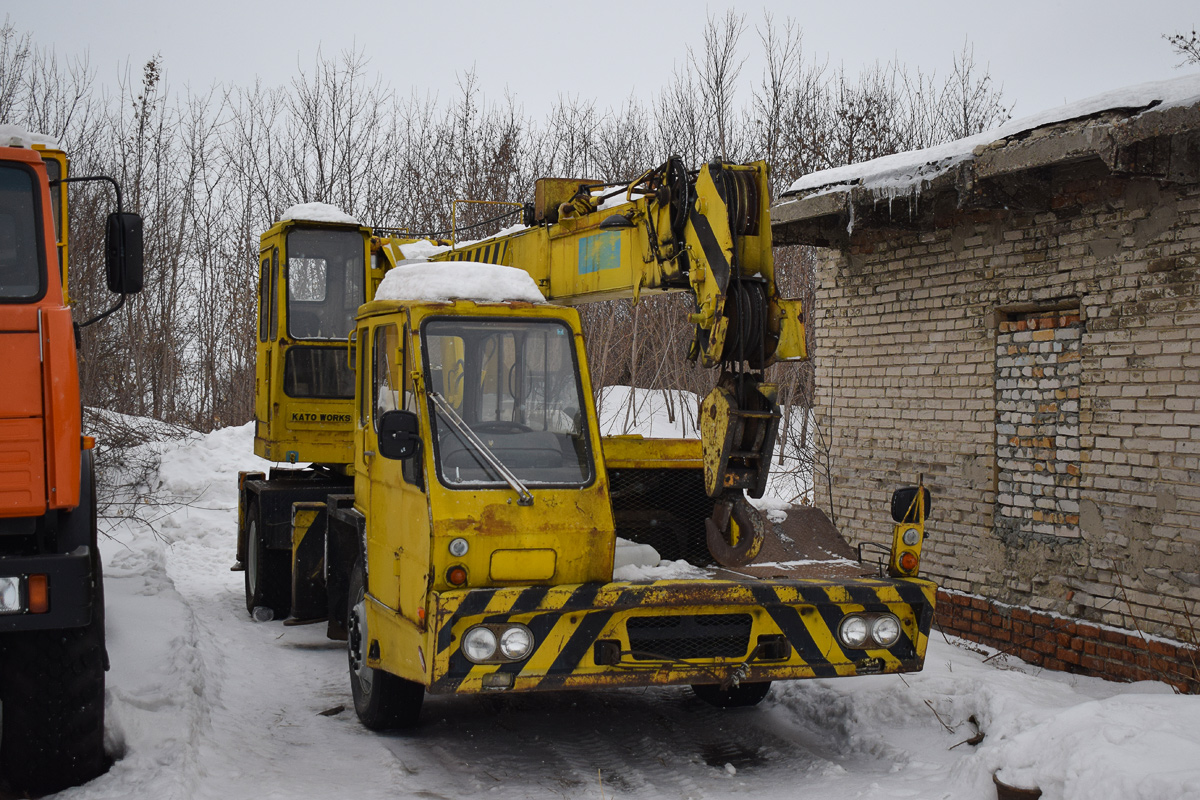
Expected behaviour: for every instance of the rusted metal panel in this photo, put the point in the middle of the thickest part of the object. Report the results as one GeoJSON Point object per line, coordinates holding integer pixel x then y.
{"type": "Point", "coordinates": [568, 621]}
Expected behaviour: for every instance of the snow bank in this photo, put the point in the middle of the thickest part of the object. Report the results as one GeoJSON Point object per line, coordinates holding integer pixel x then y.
{"type": "Point", "coordinates": [905, 172]}
{"type": "Point", "coordinates": [318, 212]}
{"type": "Point", "coordinates": [458, 280]}
{"type": "Point", "coordinates": [16, 136]}
{"type": "Point", "coordinates": [652, 413]}
{"type": "Point", "coordinates": [663, 571]}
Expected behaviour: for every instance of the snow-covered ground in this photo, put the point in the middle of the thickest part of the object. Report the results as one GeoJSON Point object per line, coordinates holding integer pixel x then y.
{"type": "Point", "coordinates": [205, 703]}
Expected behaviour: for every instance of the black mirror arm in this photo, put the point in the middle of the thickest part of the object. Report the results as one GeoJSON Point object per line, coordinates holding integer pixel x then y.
{"type": "Point", "coordinates": [105, 314]}
{"type": "Point", "coordinates": [117, 189]}
{"type": "Point", "coordinates": [83, 178]}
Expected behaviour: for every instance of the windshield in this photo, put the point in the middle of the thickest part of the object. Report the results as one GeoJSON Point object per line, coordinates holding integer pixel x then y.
{"type": "Point", "coordinates": [325, 273]}
{"type": "Point", "coordinates": [516, 385]}
{"type": "Point", "coordinates": [21, 275]}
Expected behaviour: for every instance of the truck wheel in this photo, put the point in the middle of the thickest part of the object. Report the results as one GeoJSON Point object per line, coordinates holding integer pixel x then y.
{"type": "Point", "coordinates": [381, 700]}
{"type": "Point", "coordinates": [740, 696]}
{"type": "Point", "coordinates": [268, 574]}
{"type": "Point", "coordinates": [52, 689]}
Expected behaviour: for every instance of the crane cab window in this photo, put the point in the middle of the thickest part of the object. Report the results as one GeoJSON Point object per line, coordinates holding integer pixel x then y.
{"type": "Point", "coordinates": [21, 273]}
{"type": "Point", "coordinates": [325, 275]}
{"type": "Point", "coordinates": [516, 384]}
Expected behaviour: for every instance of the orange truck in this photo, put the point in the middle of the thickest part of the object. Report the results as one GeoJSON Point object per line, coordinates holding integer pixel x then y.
{"type": "Point", "coordinates": [52, 654]}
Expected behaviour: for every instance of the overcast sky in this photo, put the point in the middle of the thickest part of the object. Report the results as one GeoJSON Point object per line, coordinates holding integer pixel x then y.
{"type": "Point", "coordinates": [1044, 53]}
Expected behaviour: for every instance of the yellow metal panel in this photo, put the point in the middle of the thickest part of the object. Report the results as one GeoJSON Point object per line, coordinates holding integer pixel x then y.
{"type": "Point", "coordinates": [634, 451]}
{"type": "Point", "coordinates": [522, 565]}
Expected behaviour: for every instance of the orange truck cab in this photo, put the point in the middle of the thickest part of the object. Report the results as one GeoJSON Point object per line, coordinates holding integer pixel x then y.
{"type": "Point", "coordinates": [52, 655]}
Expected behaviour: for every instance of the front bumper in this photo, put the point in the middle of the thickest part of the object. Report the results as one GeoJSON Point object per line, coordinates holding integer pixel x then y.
{"type": "Point", "coordinates": [69, 579]}
{"type": "Point", "coordinates": [762, 630]}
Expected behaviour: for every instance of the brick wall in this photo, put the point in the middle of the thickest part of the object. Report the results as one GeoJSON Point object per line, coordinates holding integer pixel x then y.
{"type": "Point", "coordinates": [914, 330]}
{"type": "Point", "coordinates": [1037, 424]}
{"type": "Point", "coordinates": [1067, 644]}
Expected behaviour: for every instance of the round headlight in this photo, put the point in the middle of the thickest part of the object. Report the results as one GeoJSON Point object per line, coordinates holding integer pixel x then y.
{"type": "Point", "coordinates": [516, 642]}
{"type": "Point", "coordinates": [911, 536]}
{"type": "Point", "coordinates": [479, 644]}
{"type": "Point", "coordinates": [10, 594]}
{"type": "Point", "coordinates": [886, 630]}
{"type": "Point", "coordinates": [459, 547]}
{"type": "Point", "coordinates": [853, 631]}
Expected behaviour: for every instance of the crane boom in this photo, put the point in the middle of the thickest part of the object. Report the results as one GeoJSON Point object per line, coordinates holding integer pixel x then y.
{"type": "Point", "coordinates": [706, 232]}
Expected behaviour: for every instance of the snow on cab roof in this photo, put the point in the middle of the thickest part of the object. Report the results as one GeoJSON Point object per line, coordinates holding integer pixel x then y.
{"type": "Point", "coordinates": [318, 212]}
{"type": "Point", "coordinates": [15, 136]}
{"type": "Point", "coordinates": [458, 280]}
{"type": "Point", "coordinates": [907, 172]}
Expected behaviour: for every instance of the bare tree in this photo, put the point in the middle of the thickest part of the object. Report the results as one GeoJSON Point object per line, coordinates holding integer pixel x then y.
{"type": "Point", "coordinates": [15, 52]}
{"type": "Point", "coordinates": [1186, 46]}
{"type": "Point", "coordinates": [211, 170]}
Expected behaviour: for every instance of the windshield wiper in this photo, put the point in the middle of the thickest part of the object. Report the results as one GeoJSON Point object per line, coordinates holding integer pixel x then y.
{"type": "Point", "coordinates": [524, 498]}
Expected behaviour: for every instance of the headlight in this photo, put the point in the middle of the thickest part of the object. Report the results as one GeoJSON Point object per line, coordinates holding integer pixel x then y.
{"type": "Point", "coordinates": [853, 631]}
{"type": "Point", "coordinates": [459, 547]}
{"type": "Point", "coordinates": [10, 595]}
{"type": "Point", "coordinates": [911, 536]}
{"type": "Point", "coordinates": [886, 630]}
{"type": "Point", "coordinates": [479, 644]}
{"type": "Point", "coordinates": [516, 642]}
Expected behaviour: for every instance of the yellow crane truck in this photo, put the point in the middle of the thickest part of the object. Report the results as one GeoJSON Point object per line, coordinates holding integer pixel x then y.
{"type": "Point", "coordinates": [459, 512]}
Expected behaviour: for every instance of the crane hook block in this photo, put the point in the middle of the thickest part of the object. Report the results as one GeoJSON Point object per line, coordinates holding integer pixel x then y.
{"type": "Point", "coordinates": [739, 420]}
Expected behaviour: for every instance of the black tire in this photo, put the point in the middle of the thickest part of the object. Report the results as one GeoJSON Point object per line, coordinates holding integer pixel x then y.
{"type": "Point", "coordinates": [52, 691]}
{"type": "Point", "coordinates": [268, 573]}
{"type": "Point", "coordinates": [52, 687]}
{"type": "Point", "coordinates": [382, 701]}
{"type": "Point", "coordinates": [740, 696]}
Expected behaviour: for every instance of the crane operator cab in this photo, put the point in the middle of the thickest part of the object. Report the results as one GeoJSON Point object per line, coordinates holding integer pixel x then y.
{"type": "Point", "coordinates": [313, 276]}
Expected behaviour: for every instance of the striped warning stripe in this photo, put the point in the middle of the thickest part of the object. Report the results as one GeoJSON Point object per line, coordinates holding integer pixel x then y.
{"type": "Point", "coordinates": [494, 253]}
{"type": "Point", "coordinates": [567, 620]}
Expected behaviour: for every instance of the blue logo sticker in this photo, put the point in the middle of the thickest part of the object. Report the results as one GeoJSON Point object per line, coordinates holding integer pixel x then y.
{"type": "Point", "coordinates": [599, 252]}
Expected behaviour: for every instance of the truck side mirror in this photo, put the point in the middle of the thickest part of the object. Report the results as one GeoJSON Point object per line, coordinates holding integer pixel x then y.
{"type": "Point", "coordinates": [399, 435]}
{"type": "Point", "coordinates": [904, 505]}
{"type": "Point", "coordinates": [123, 253]}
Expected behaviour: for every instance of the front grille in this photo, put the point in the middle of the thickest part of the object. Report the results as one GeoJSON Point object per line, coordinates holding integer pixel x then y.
{"type": "Point", "coordinates": [664, 508]}
{"type": "Point", "coordinates": [654, 638]}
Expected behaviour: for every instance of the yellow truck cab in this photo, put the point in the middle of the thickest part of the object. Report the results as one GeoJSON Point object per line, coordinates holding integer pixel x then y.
{"type": "Point", "coordinates": [482, 531]}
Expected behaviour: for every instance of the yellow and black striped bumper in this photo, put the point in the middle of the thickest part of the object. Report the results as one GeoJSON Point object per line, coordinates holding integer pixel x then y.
{"type": "Point", "coordinates": [583, 637]}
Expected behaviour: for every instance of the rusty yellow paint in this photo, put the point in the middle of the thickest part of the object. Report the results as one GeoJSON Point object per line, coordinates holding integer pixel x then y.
{"type": "Point", "coordinates": [564, 619]}
{"type": "Point", "coordinates": [635, 452]}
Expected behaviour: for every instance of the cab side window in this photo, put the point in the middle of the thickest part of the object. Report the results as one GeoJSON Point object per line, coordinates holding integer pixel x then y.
{"type": "Point", "coordinates": [385, 395]}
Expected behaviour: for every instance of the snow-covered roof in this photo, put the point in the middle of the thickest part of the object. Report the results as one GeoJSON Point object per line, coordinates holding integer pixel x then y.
{"type": "Point", "coordinates": [908, 172]}
{"type": "Point", "coordinates": [15, 136]}
{"type": "Point", "coordinates": [445, 281]}
{"type": "Point", "coordinates": [318, 212]}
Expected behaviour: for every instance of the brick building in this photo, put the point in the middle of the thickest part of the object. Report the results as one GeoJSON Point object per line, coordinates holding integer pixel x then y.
{"type": "Point", "coordinates": [1017, 317]}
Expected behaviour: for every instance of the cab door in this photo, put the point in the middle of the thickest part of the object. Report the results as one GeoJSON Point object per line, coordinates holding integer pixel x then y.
{"type": "Point", "coordinates": [398, 527]}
